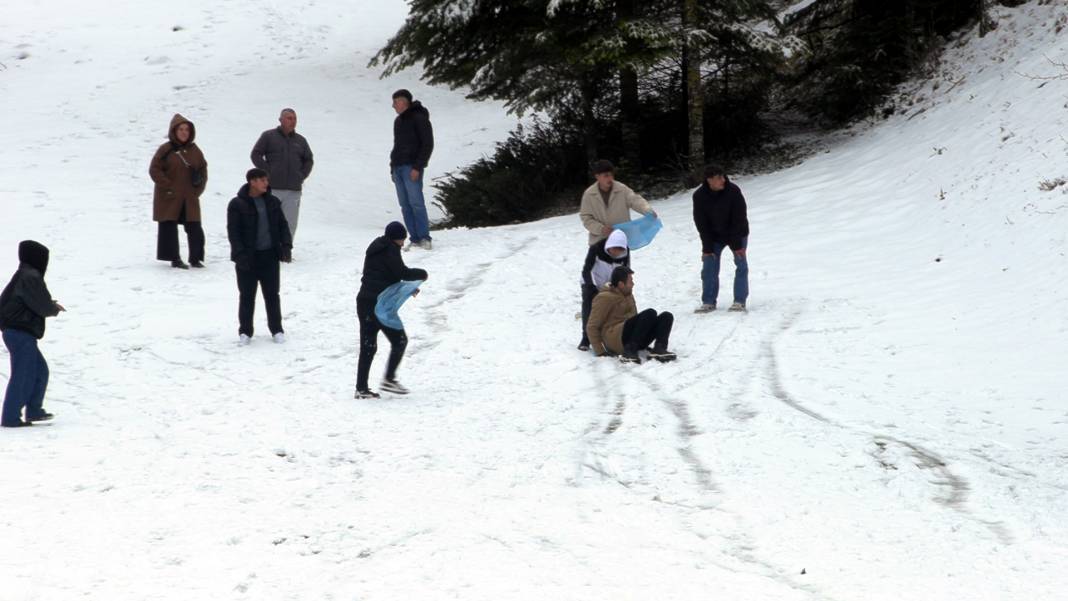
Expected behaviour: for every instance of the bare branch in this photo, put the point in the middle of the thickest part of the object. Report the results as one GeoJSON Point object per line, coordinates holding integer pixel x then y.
{"type": "Point", "coordinates": [1060, 65]}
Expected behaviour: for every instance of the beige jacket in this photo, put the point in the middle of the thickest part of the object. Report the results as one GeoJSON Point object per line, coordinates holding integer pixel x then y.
{"type": "Point", "coordinates": [595, 214]}
{"type": "Point", "coordinates": [611, 309]}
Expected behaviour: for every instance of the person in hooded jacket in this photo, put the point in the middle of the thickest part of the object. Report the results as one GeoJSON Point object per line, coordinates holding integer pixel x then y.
{"type": "Point", "coordinates": [382, 267]}
{"type": "Point", "coordinates": [259, 239]}
{"type": "Point", "coordinates": [180, 174]}
{"type": "Point", "coordinates": [24, 305]}
{"type": "Point", "coordinates": [719, 212]}
{"type": "Point", "coordinates": [413, 142]}
{"type": "Point", "coordinates": [601, 259]}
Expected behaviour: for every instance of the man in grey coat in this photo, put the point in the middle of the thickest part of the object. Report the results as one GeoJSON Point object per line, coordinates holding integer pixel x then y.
{"type": "Point", "coordinates": [286, 156]}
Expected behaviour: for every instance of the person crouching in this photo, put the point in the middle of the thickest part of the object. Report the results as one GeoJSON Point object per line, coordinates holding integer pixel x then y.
{"type": "Point", "coordinates": [382, 267]}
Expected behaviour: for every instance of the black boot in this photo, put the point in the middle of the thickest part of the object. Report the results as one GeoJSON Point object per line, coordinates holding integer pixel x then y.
{"type": "Point", "coordinates": [661, 354]}
{"type": "Point", "coordinates": [630, 355]}
{"type": "Point", "coordinates": [179, 264]}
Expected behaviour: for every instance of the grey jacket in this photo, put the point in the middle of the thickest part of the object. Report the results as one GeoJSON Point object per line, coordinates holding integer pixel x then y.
{"type": "Point", "coordinates": [287, 159]}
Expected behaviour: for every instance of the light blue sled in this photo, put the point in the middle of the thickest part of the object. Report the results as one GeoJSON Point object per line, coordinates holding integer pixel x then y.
{"type": "Point", "coordinates": [390, 301]}
{"type": "Point", "coordinates": [640, 232]}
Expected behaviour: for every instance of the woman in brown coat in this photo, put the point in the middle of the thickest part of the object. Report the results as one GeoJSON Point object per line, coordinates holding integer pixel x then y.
{"type": "Point", "coordinates": [180, 173]}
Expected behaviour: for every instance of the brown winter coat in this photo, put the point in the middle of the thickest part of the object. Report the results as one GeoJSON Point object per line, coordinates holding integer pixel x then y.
{"type": "Point", "coordinates": [174, 184]}
{"type": "Point", "coordinates": [611, 308]}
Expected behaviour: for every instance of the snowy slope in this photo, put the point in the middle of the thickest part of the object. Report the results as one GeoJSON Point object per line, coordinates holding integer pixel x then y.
{"type": "Point", "coordinates": [889, 416]}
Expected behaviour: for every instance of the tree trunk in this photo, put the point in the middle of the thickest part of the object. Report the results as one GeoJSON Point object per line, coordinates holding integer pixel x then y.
{"type": "Point", "coordinates": [695, 101]}
{"type": "Point", "coordinates": [589, 122]}
{"type": "Point", "coordinates": [630, 111]}
{"type": "Point", "coordinates": [630, 122]}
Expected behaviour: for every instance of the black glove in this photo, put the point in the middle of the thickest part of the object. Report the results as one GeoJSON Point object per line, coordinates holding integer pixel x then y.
{"type": "Point", "coordinates": [286, 255]}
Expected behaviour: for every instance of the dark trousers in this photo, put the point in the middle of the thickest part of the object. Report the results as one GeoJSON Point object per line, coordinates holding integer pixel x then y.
{"type": "Point", "coordinates": [264, 273]}
{"type": "Point", "coordinates": [588, 292]}
{"type": "Point", "coordinates": [29, 377]}
{"type": "Point", "coordinates": [369, 328]}
{"type": "Point", "coordinates": [167, 239]}
{"type": "Point", "coordinates": [646, 327]}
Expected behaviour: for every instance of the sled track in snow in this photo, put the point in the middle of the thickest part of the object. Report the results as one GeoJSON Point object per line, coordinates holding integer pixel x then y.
{"type": "Point", "coordinates": [685, 431]}
{"type": "Point", "coordinates": [458, 289]}
{"type": "Point", "coordinates": [955, 489]}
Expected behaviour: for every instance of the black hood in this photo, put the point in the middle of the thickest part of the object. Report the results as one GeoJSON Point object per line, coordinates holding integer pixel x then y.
{"type": "Point", "coordinates": [34, 254]}
{"type": "Point", "coordinates": [379, 245]}
{"type": "Point", "coordinates": [416, 108]}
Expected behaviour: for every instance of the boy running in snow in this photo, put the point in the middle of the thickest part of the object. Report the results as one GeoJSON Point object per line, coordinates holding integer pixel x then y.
{"type": "Point", "coordinates": [24, 305]}
{"type": "Point", "coordinates": [382, 267]}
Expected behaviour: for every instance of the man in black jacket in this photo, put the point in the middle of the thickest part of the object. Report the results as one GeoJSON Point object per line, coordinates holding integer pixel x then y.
{"type": "Point", "coordinates": [259, 239]}
{"type": "Point", "coordinates": [382, 267]}
{"type": "Point", "coordinates": [24, 305]}
{"type": "Point", "coordinates": [720, 216]}
{"type": "Point", "coordinates": [413, 141]}
{"type": "Point", "coordinates": [287, 158]}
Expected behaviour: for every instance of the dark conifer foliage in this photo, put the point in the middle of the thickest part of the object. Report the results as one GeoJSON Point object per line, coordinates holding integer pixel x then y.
{"type": "Point", "coordinates": [657, 86]}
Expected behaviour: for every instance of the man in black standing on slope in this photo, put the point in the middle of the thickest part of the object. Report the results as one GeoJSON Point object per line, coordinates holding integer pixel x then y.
{"type": "Point", "coordinates": [259, 239]}
{"type": "Point", "coordinates": [413, 141]}
{"type": "Point", "coordinates": [720, 214]}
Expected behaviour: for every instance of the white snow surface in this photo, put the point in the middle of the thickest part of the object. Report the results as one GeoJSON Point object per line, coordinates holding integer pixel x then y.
{"type": "Point", "coordinates": [888, 421]}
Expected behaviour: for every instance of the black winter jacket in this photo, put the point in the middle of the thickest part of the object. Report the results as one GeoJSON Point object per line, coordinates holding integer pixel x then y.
{"type": "Point", "coordinates": [720, 217]}
{"type": "Point", "coordinates": [26, 302]}
{"type": "Point", "coordinates": [597, 251]}
{"type": "Point", "coordinates": [242, 220]}
{"type": "Point", "coordinates": [413, 138]}
{"type": "Point", "coordinates": [383, 267]}
{"type": "Point", "coordinates": [288, 160]}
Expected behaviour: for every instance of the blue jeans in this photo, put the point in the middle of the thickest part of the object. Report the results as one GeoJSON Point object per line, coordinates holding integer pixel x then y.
{"type": "Point", "coordinates": [710, 275]}
{"type": "Point", "coordinates": [29, 377]}
{"type": "Point", "coordinates": [413, 207]}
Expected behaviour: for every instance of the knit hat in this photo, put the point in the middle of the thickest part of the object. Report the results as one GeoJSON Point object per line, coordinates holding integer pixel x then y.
{"type": "Point", "coordinates": [402, 93]}
{"type": "Point", "coordinates": [619, 274]}
{"type": "Point", "coordinates": [617, 239]}
{"type": "Point", "coordinates": [396, 231]}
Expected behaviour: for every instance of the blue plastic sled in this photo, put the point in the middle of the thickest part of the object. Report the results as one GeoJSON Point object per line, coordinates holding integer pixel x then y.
{"type": "Point", "coordinates": [640, 232]}
{"type": "Point", "coordinates": [390, 301]}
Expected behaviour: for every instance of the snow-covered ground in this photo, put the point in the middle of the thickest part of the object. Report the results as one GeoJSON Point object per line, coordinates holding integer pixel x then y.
{"type": "Point", "coordinates": [888, 421]}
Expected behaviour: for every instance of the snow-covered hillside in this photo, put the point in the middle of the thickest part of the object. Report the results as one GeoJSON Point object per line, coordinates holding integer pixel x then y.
{"type": "Point", "coordinates": [887, 422]}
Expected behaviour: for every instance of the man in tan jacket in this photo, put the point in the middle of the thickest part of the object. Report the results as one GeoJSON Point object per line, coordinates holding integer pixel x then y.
{"type": "Point", "coordinates": [608, 202]}
{"type": "Point", "coordinates": [616, 328]}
